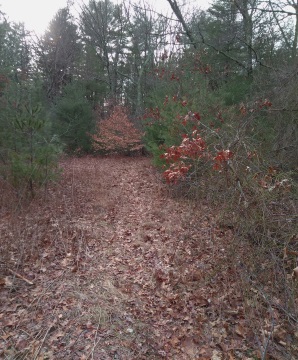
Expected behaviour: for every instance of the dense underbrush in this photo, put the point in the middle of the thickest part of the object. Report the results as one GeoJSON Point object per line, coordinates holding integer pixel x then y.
{"type": "Point", "coordinates": [240, 157]}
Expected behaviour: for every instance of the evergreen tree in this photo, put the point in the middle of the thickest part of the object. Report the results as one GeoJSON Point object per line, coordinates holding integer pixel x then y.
{"type": "Point", "coordinates": [57, 52]}
{"type": "Point", "coordinates": [73, 118]}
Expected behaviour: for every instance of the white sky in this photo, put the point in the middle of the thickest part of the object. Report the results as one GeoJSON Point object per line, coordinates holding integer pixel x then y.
{"type": "Point", "coordinates": [36, 14]}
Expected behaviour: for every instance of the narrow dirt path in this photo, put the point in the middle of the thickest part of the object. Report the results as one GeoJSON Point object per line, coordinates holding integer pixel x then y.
{"type": "Point", "coordinates": [121, 270]}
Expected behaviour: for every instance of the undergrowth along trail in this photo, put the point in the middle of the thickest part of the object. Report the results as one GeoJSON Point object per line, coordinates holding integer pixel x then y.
{"type": "Point", "coordinates": [122, 270]}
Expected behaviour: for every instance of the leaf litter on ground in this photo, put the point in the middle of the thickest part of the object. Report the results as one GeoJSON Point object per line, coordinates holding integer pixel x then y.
{"type": "Point", "coordinates": [120, 269]}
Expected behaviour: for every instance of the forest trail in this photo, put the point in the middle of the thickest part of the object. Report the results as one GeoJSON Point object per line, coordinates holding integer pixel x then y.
{"type": "Point", "coordinates": [121, 270]}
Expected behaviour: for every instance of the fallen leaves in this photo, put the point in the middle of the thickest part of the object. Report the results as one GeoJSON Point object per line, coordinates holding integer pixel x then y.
{"type": "Point", "coordinates": [121, 270]}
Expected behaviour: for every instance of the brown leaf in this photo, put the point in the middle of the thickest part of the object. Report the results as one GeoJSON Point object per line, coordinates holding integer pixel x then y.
{"type": "Point", "coordinates": [216, 355]}
{"type": "Point", "coordinates": [174, 341]}
{"type": "Point", "coordinates": [22, 344]}
{"type": "Point", "coordinates": [189, 347]}
{"type": "Point", "coordinates": [202, 302]}
{"type": "Point", "coordinates": [231, 356]}
{"type": "Point", "coordinates": [239, 330]}
{"type": "Point", "coordinates": [65, 262]}
{"type": "Point", "coordinates": [295, 273]}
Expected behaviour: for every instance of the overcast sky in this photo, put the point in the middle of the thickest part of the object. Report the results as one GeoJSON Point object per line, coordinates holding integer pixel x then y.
{"type": "Point", "coordinates": [36, 14]}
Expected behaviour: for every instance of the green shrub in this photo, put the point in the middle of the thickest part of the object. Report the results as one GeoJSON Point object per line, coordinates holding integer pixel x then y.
{"type": "Point", "coordinates": [29, 153]}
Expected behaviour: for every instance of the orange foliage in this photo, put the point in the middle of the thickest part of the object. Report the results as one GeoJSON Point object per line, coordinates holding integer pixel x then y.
{"type": "Point", "coordinates": [116, 133]}
{"type": "Point", "coordinates": [180, 159]}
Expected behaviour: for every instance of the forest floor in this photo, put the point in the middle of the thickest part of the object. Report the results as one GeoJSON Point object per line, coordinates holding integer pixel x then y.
{"type": "Point", "coordinates": [115, 267]}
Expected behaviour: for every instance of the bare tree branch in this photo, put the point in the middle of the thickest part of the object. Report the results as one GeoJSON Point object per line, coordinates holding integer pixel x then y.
{"type": "Point", "coordinates": [177, 12]}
